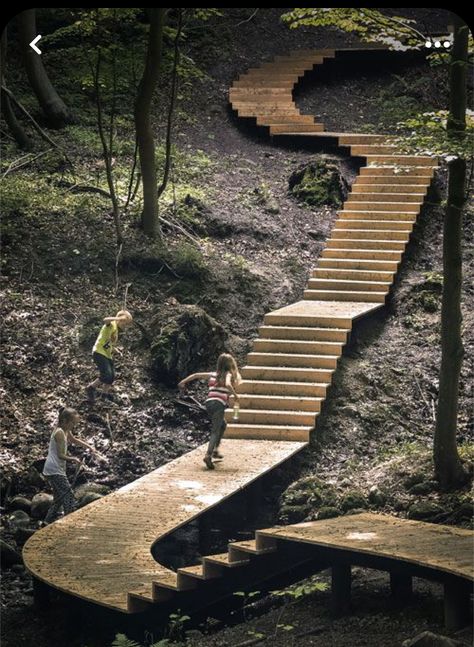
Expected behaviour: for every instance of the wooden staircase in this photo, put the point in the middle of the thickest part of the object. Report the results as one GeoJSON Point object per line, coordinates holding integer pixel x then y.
{"type": "Point", "coordinates": [290, 367]}
{"type": "Point", "coordinates": [102, 552]}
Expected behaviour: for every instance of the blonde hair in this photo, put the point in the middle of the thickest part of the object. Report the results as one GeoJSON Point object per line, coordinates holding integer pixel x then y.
{"type": "Point", "coordinates": [125, 315]}
{"type": "Point", "coordinates": [227, 364]}
{"type": "Point", "coordinates": [66, 415]}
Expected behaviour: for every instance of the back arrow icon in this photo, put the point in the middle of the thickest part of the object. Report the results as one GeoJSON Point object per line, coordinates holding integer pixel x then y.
{"type": "Point", "coordinates": [33, 44]}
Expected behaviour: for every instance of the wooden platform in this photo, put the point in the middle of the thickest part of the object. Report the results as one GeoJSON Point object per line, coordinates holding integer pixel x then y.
{"type": "Point", "coordinates": [443, 548]}
{"type": "Point", "coordinates": [101, 553]}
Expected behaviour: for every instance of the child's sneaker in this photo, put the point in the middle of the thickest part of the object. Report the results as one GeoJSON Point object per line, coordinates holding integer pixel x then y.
{"type": "Point", "coordinates": [208, 461]}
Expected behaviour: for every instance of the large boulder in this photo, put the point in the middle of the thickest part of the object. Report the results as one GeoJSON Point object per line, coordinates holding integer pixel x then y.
{"type": "Point", "coordinates": [40, 505]}
{"type": "Point", "coordinates": [425, 511]}
{"type": "Point", "coordinates": [20, 503]}
{"type": "Point", "coordinates": [306, 497]}
{"type": "Point", "coordinates": [319, 183]}
{"type": "Point", "coordinates": [185, 339]}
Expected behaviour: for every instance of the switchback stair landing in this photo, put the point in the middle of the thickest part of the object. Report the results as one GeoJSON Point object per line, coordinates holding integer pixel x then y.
{"type": "Point", "coordinates": [102, 553]}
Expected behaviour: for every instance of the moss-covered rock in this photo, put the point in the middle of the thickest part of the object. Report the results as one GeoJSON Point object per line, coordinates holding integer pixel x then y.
{"type": "Point", "coordinates": [424, 488]}
{"type": "Point", "coordinates": [305, 497]}
{"type": "Point", "coordinates": [185, 339]}
{"type": "Point", "coordinates": [328, 512]}
{"type": "Point", "coordinates": [319, 183]}
{"type": "Point", "coordinates": [425, 511]}
{"type": "Point", "coordinates": [353, 500]}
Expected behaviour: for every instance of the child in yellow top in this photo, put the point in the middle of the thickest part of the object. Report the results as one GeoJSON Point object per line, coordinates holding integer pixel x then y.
{"type": "Point", "coordinates": [103, 351]}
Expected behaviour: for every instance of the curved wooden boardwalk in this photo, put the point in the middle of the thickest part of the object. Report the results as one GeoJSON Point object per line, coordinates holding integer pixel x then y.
{"type": "Point", "coordinates": [101, 553]}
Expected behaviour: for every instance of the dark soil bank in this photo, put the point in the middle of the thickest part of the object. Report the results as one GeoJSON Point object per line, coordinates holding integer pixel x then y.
{"type": "Point", "coordinates": [256, 245]}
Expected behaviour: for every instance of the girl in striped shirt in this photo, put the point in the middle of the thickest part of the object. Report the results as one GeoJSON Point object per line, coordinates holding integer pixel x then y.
{"type": "Point", "coordinates": [222, 384]}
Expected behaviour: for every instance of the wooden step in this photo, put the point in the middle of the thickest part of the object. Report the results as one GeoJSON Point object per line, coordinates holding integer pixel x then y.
{"type": "Point", "coordinates": [359, 150]}
{"type": "Point", "coordinates": [395, 180]}
{"type": "Point", "coordinates": [390, 245]}
{"type": "Point", "coordinates": [336, 295]}
{"type": "Point", "coordinates": [239, 550]}
{"type": "Point", "coordinates": [259, 111]}
{"type": "Point", "coordinates": [273, 402]}
{"type": "Point", "coordinates": [397, 171]}
{"type": "Point", "coordinates": [401, 160]}
{"type": "Point", "coordinates": [291, 65]}
{"type": "Point", "coordinates": [358, 263]}
{"type": "Point", "coordinates": [397, 207]}
{"type": "Point", "coordinates": [270, 387]}
{"type": "Point", "coordinates": [306, 54]}
{"type": "Point", "coordinates": [268, 432]}
{"type": "Point", "coordinates": [303, 333]}
{"type": "Point", "coordinates": [270, 103]}
{"type": "Point", "coordinates": [258, 93]}
{"type": "Point", "coordinates": [362, 234]}
{"type": "Point", "coordinates": [368, 254]}
{"type": "Point", "coordinates": [389, 216]}
{"type": "Point", "coordinates": [360, 138]}
{"type": "Point", "coordinates": [297, 346]}
{"type": "Point", "coordinates": [188, 575]}
{"type": "Point", "coordinates": [290, 119]}
{"type": "Point", "coordinates": [300, 128]}
{"type": "Point", "coordinates": [353, 275]}
{"type": "Point", "coordinates": [259, 75]}
{"type": "Point", "coordinates": [312, 320]}
{"type": "Point", "coordinates": [270, 83]}
{"type": "Point", "coordinates": [347, 286]}
{"type": "Point", "coordinates": [292, 374]}
{"type": "Point", "coordinates": [292, 359]}
{"type": "Point", "coordinates": [245, 99]}
{"type": "Point", "coordinates": [223, 560]}
{"type": "Point", "coordinates": [346, 223]}
{"type": "Point", "coordinates": [362, 187]}
{"type": "Point", "coordinates": [276, 417]}
{"type": "Point", "coordinates": [381, 196]}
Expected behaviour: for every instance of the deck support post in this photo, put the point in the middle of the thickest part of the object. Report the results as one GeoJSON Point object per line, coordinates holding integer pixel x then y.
{"type": "Point", "coordinates": [340, 588]}
{"type": "Point", "coordinates": [204, 533]}
{"type": "Point", "coordinates": [253, 501]}
{"type": "Point", "coordinates": [401, 586]}
{"type": "Point", "coordinates": [456, 604]}
{"type": "Point", "coordinates": [41, 594]}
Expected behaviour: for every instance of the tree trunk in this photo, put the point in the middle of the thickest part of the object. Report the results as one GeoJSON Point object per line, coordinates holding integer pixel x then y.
{"type": "Point", "coordinates": [448, 467]}
{"type": "Point", "coordinates": [15, 127]}
{"type": "Point", "coordinates": [144, 132]}
{"type": "Point", "coordinates": [52, 105]}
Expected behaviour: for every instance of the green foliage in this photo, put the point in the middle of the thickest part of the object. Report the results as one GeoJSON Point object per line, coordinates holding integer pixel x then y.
{"type": "Point", "coordinates": [426, 134]}
{"type": "Point", "coordinates": [121, 640]}
{"type": "Point", "coordinates": [370, 25]}
{"type": "Point", "coordinates": [302, 589]}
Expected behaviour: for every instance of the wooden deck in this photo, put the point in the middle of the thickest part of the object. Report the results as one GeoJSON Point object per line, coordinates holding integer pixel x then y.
{"type": "Point", "coordinates": [443, 548]}
{"type": "Point", "coordinates": [101, 552]}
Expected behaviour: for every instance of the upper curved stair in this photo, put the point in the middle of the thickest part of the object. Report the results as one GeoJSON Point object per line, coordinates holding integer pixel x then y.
{"type": "Point", "coordinates": [297, 354]}
{"type": "Point", "coordinates": [102, 552]}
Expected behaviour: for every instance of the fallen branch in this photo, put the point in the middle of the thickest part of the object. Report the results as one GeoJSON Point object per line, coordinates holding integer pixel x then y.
{"type": "Point", "coordinates": [84, 188]}
{"type": "Point", "coordinates": [15, 165]}
{"type": "Point", "coordinates": [189, 405]}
